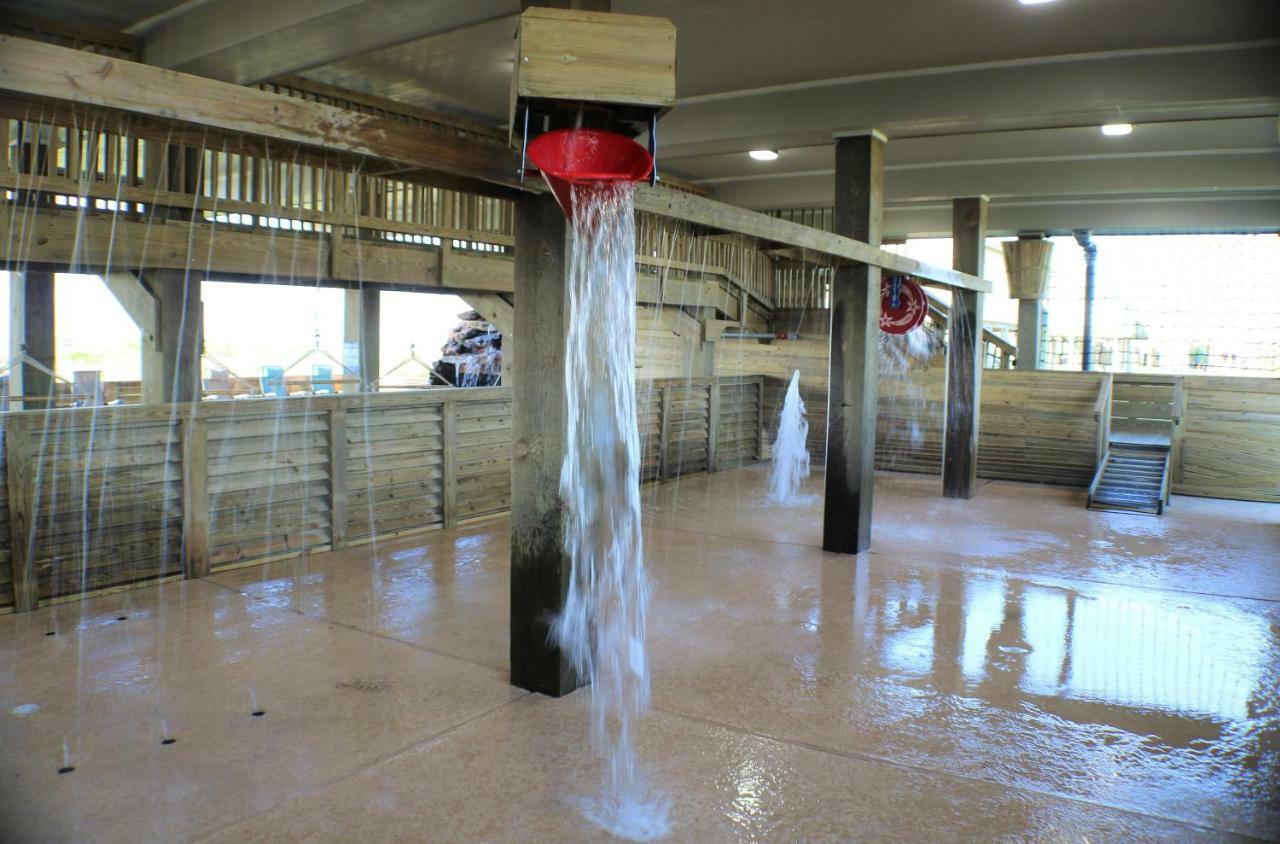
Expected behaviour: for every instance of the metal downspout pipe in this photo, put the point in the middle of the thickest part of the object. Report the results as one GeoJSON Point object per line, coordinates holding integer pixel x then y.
{"type": "Point", "coordinates": [1085, 239]}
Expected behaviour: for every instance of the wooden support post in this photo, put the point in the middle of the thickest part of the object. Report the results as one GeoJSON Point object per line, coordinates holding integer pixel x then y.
{"type": "Point", "coordinates": [1030, 326]}
{"type": "Point", "coordinates": [713, 425]}
{"type": "Point", "coordinates": [855, 366]}
{"type": "Point", "coordinates": [19, 457]}
{"type": "Point", "coordinates": [143, 308]}
{"type": "Point", "coordinates": [760, 427]}
{"type": "Point", "coordinates": [195, 496]}
{"type": "Point", "coordinates": [664, 435]}
{"type": "Point", "coordinates": [180, 333]}
{"type": "Point", "coordinates": [369, 320]}
{"type": "Point", "coordinates": [964, 352]}
{"type": "Point", "coordinates": [338, 495]}
{"type": "Point", "coordinates": [31, 333]}
{"type": "Point", "coordinates": [449, 482]}
{"type": "Point", "coordinates": [540, 567]}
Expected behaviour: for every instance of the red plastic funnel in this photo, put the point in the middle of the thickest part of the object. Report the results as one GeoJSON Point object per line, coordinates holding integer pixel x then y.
{"type": "Point", "coordinates": [570, 157]}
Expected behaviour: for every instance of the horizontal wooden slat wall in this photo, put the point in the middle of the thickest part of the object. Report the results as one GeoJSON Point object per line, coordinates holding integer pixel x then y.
{"type": "Point", "coordinates": [395, 467]}
{"type": "Point", "coordinates": [483, 448]}
{"type": "Point", "coordinates": [95, 500]}
{"type": "Point", "coordinates": [1229, 438]}
{"type": "Point", "coordinates": [909, 421]}
{"type": "Point", "coordinates": [1042, 427]}
{"type": "Point", "coordinates": [738, 428]}
{"type": "Point", "coordinates": [268, 470]}
{"type": "Point", "coordinates": [103, 497]}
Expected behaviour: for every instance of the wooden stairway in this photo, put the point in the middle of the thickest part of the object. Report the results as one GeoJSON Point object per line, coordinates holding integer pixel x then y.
{"type": "Point", "coordinates": [1133, 478]}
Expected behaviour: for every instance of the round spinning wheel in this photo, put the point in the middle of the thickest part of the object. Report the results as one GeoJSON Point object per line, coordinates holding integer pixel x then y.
{"type": "Point", "coordinates": [903, 305]}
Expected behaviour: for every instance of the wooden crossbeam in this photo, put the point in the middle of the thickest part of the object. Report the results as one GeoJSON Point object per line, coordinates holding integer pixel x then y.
{"type": "Point", "coordinates": [731, 218]}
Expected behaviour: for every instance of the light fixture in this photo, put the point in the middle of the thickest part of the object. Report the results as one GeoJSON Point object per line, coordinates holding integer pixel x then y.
{"type": "Point", "coordinates": [1116, 129]}
{"type": "Point", "coordinates": [764, 154]}
{"type": "Point", "coordinates": [1034, 2]}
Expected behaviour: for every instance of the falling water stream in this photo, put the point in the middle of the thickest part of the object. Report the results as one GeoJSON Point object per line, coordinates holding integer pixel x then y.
{"type": "Point", "coordinates": [602, 628]}
{"type": "Point", "coordinates": [790, 451]}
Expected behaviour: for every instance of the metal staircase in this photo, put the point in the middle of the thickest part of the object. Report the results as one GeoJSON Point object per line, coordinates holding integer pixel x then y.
{"type": "Point", "coordinates": [1132, 477]}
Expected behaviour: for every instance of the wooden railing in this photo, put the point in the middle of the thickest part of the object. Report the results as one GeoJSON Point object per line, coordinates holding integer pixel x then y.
{"type": "Point", "coordinates": [96, 498]}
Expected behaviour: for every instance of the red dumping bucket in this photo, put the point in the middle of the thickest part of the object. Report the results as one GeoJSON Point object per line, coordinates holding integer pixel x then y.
{"type": "Point", "coordinates": [570, 157]}
{"type": "Point", "coordinates": [908, 311]}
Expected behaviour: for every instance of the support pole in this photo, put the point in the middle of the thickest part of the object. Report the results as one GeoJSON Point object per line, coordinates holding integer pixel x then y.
{"type": "Point", "coordinates": [1030, 329]}
{"type": "Point", "coordinates": [1085, 239]}
{"type": "Point", "coordinates": [31, 334]}
{"type": "Point", "coordinates": [964, 351]}
{"type": "Point", "coordinates": [180, 333]}
{"type": "Point", "coordinates": [1027, 262]}
{"type": "Point", "coordinates": [143, 308]}
{"type": "Point", "coordinates": [362, 326]}
{"type": "Point", "coordinates": [855, 362]}
{"type": "Point", "coordinates": [540, 567]}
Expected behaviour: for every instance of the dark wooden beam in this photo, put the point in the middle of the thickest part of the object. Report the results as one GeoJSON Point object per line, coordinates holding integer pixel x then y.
{"type": "Point", "coordinates": [855, 334]}
{"type": "Point", "coordinates": [964, 352]}
{"type": "Point", "coordinates": [540, 567]}
{"type": "Point", "coordinates": [31, 333]}
{"type": "Point", "coordinates": [180, 332]}
{"type": "Point", "coordinates": [33, 69]}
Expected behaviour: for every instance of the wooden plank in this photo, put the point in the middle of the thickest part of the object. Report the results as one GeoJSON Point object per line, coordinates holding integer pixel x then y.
{"type": "Point", "coordinates": [450, 451]}
{"type": "Point", "coordinates": [195, 499]}
{"type": "Point", "coordinates": [338, 488]}
{"type": "Point", "coordinates": [19, 459]}
{"type": "Point", "coordinates": [564, 54]}
{"type": "Point", "coordinates": [59, 73]}
{"type": "Point", "coordinates": [964, 351]}
{"type": "Point", "coordinates": [540, 568]}
{"type": "Point", "coordinates": [854, 351]}
{"type": "Point", "coordinates": [719, 215]}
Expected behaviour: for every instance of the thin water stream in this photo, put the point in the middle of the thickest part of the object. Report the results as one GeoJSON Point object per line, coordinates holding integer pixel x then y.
{"type": "Point", "coordinates": [790, 451]}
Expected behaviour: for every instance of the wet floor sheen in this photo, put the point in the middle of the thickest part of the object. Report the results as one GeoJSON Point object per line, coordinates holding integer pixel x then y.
{"type": "Point", "coordinates": [1009, 667]}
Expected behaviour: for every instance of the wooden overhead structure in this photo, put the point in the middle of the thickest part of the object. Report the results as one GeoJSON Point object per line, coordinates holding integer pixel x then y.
{"type": "Point", "coordinates": [177, 105]}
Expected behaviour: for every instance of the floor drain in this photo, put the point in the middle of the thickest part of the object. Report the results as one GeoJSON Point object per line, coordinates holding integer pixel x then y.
{"type": "Point", "coordinates": [66, 769]}
{"type": "Point", "coordinates": [52, 633]}
{"type": "Point", "coordinates": [258, 713]}
{"type": "Point", "coordinates": [122, 618]}
{"type": "Point", "coordinates": [168, 741]}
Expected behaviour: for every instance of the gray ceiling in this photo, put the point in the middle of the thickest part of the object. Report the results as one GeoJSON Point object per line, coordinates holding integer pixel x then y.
{"type": "Point", "coordinates": [976, 96]}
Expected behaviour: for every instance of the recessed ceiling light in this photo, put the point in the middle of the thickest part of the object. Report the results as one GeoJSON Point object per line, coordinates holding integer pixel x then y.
{"type": "Point", "coordinates": [764, 154]}
{"type": "Point", "coordinates": [1117, 128]}
{"type": "Point", "coordinates": [1034, 2]}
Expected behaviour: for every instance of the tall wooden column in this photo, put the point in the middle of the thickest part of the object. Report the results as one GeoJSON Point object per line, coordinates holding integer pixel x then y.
{"type": "Point", "coordinates": [964, 351]}
{"type": "Point", "coordinates": [362, 325]}
{"type": "Point", "coordinates": [540, 568]}
{"type": "Point", "coordinates": [180, 333]}
{"type": "Point", "coordinates": [855, 364]}
{"type": "Point", "coordinates": [31, 334]}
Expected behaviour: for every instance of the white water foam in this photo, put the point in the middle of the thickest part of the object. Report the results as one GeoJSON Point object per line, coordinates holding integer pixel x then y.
{"type": "Point", "coordinates": [790, 450]}
{"type": "Point", "coordinates": [602, 628]}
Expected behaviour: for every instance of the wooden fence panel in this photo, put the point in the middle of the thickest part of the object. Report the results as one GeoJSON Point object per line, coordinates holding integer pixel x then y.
{"type": "Point", "coordinates": [738, 440]}
{"type": "Point", "coordinates": [395, 468]}
{"type": "Point", "coordinates": [1230, 438]}
{"type": "Point", "coordinates": [268, 473]}
{"type": "Point", "coordinates": [483, 458]}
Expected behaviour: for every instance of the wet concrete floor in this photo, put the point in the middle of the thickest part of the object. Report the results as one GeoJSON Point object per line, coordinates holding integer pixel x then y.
{"type": "Point", "coordinates": [1011, 667]}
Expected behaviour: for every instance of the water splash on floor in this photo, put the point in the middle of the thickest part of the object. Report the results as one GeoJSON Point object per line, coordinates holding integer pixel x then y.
{"type": "Point", "coordinates": [602, 629]}
{"type": "Point", "coordinates": [790, 449]}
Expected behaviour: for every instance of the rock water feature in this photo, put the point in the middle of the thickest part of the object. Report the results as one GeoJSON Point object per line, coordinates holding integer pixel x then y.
{"type": "Point", "coordinates": [602, 628]}
{"type": "Point", "coordinates": [790, 452]}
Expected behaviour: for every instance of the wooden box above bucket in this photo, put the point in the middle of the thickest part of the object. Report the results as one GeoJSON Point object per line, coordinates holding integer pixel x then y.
{"type": "Point", "coordinates": [596, 57]}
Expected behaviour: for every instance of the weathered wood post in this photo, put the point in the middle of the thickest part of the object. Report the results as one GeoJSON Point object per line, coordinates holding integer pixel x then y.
{"type": "Point", "coordinates": [180, 332]}
{"type": "Point", "coordinates": [361, 327]}
{"type": "Point", "coordinates": [31, 334]}
{"type": "Point", "coordinates": [540, 567]}
{"type": "Point", "coordinates": [855, 363]}
{"type": "Point", "coordinates": [964, 351]}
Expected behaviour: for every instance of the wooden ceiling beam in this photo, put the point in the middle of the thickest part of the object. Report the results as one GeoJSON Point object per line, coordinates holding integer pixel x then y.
{"type": "Point", "coordinates": [772, 230]}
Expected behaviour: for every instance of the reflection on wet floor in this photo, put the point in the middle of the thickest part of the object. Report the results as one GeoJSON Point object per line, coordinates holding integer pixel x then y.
{"type": "Point", "coordinates": [996, 686]}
